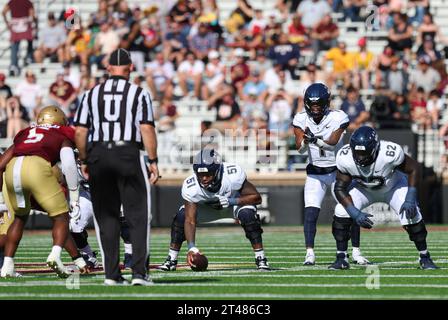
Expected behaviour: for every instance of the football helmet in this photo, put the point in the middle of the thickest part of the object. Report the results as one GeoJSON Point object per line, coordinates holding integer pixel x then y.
{"type": "Point", "coordinates": [208, 163]}
{"type": "Point", "coordinates": [317, 101]}
{"type": "Point", "coordinates": [365, 145]}
{"type": "Point", "coordinates": [52, 115]}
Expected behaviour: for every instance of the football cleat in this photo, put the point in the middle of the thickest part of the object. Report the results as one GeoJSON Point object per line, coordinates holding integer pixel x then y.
{"type": "Point", "coordinates": [91, 260]}
{"type": "Point", "coordinates": [262, 263]}
{"type": "Point", "coordinates": [358, 258]}
{"type": "Point", "coordinates": [138, 280]}
{"type": "Point", "coordinates": [117, 282]}
{"type": "Point", "coordinates": [426, 263]}
{"type": "Point", "coordinates": [168, 265]}
{"type": "Point", "coordinates": [8, 271]}
{"type": "Point", "coordinates": [340, 263]}
{"type": "Point", "coordinates": [57, 266]}
{"type": "Point", "coordinates": [310, 259]}
{"type": "Point", "coordinates": [127, 261]}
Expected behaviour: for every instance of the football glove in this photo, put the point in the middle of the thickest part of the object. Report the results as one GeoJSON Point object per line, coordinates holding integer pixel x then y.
{"type": "Point", "coordinates": [361, 218]}
{"type": "Point", "coordinates": [75, 212]}
{"type": "Point", "coordinates": [309, 137]}
{"type": "Point", "coordinates": [409, 207]}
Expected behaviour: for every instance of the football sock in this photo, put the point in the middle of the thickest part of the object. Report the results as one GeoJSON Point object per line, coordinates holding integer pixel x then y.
{"type": "Point", "coordinates": [344, 252]}
{"type": "Point", "coordinates": [55, 251]}
{"type": "Point", "coordinates": [309, 225]}
{"type": "Point", "coordinates": [8, 262]}
{"type": "Point", "coordinates": [87, 250]}
{"type": "Point", "coordinates": [421, 245]}
{"type": "Point", "coordinates": [423, 252]}
{"type": "Point", "coordinates": [128, 248]}
{"type": "Point", "coordinates": [310, 251]}
{"type": "Point", "coordinates": [355, 235]}
{"type": "Point", "coordinates": [173, 254]}
{"type": "Point", "coordinates": [259, 253]}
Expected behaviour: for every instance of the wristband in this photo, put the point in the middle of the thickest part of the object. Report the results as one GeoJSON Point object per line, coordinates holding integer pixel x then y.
{"type": "Point", "coordinates": [233, 201]}
{"type": "Point", "coordinates": [193, 249]}
{"type": "Point", "coordinates": [155, 160]}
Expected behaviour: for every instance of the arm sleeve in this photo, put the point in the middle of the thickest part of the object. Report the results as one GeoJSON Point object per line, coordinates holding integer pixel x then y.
{"type": "Point", "coordinates": [70, 171]}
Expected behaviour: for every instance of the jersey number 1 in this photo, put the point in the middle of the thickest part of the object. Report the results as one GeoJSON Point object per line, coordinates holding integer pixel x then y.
{"type": "Point", "coordinates": [33, 136]}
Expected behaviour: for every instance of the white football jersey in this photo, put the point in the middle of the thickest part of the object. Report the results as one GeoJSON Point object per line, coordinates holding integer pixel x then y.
{"type": "Point", "coordinates": [233, 177]}
{"type": "Point", "coordinates": [381, 174]}
{"type": "Point", "coordinates": [334, 120]}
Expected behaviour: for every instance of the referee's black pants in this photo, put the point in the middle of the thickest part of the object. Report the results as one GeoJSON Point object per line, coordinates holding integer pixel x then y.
{"type": "Point", "coordinates": [118, 176]}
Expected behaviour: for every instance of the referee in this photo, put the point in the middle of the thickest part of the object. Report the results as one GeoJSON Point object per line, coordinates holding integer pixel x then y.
{"type": "Point", "coordinates": [114, 121]}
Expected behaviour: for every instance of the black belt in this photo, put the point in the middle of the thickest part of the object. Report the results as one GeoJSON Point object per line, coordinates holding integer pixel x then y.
{"type": "Point", "coordinates": [121, 143]}
{"type": "Point", "coordinates": [312, 169]}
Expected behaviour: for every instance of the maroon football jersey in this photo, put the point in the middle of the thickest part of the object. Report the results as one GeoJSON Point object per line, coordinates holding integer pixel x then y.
{"type": "Point", "coordinates": [42, 140]}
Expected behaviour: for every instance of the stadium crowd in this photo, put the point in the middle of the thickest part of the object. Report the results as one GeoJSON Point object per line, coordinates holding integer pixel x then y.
{"type": "Point", "coordinates": [252, 68]}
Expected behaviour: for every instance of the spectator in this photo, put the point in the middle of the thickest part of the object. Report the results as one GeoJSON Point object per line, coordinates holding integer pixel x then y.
{"type": "Point", "coordinates": [255, 85]}
{"type": "Point", "coordinates": [203, 42]}
{"type": "Point", "coordinates": [419, 112]}
{"type": "Point", "coordinates": [402, 110]}
{"type": "Point", "coordinates": [297, 32]}
{"type": "Point", "coordinates": [428, 49]}
{"type": "Point", "coordinates": [435, 106]}
{"type": "Point", "coordinates": [258, 23]}
{"type": "Point", "coordinates": [354, 107]}
{"type": "Point", "coordinates": [52, 40]}
{"type": "Point", "coordinates": [181, 13]}
{"type": "Point", "coordinates": [400, 35]}
{"type": "Point", "coordinates": [17, 117]}
{"type": "Point", "coordinates": [119, 24]}
{"type": "Point", "coordinates": [352, 9]}
{"type": "Point", "coordinates": [260, 62]}
{"type": "Point", "coordinates": [324, 35]}
{"type": "Point", "coordinates": [176, 44]}
{"type": "Point", "coordinates": [421, 7]}
{"type": "Point", "coordinates": [429, 29]}
{"type": "Point", "coordinates": [159, 76]}
{"type": "Point", "coordinates": [425, 76]}
{"type": "Point", "coordinates": [30, 94]}
{"type": "Point", "coordinates": [190, 75]}
{"type": "Point", "coordinates": [242, 15]}
{"type": "Point", "coordinates": [20, 27]}
{"type": "Point", "coordinates": [382, 110]}
{"type": "Point", "coordinates": [343, 64]}
{"type": "Point", "coordinates": [73, 75]}
{"type": "Point", "coordinates": [363, 65]}
{"type": "Point", "coordinates": [106, 41]}
{"type": "Point", "coordinates": [313, 11]}
{"type": "Point", "coordinates": [253, 111]}
{"type": "Point", "coordinates": [239, 72]}
{"type": "Point", "coordinates": [102, 14]}
{"type": "Point", "coordinates": [63, 95]}
{"type": "Point", "coordinates": [310, 76]}
{"type": "Point", "coordinates": [5, 90]}
{"type": "Point", "coordinates": [76, 45]}
{"type": "Point", "coordinates": [382, 66]}
{"type": "Point", "coordinates": [166, 115]}
{"type": "Point", "coordinates": [227, 109]}
{"type": "Point", "coordinates": [280, 111]}
{"type": "Point", "coordinates": [397, 79]}
{"type": "Point", "coordinates": [276, 79]}
{"type": "Point", "coordinates": [286, 54]}
{"type": "Point", "coordinates": [214, 76]}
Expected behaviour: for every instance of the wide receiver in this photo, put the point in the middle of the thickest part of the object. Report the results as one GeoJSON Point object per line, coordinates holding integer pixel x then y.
{"type": "Point", "coordinates": [372, 170]}
{"type": "Point", "coordinates": [218, 185]}
{"type": "Point", "coordinates": [29, 174]}
{"type": "Point", "coordinates": [318, 131]}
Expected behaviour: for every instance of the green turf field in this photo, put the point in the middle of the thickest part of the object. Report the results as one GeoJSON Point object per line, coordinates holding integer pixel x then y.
{"type": "Point", "coordinates": [232, 274]}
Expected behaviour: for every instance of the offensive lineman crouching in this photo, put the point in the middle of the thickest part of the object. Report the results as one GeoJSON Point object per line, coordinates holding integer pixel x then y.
{"type": "Point", "coordinates": [218, 185]}
{"type": "Point", "coordinates": [370, 170]}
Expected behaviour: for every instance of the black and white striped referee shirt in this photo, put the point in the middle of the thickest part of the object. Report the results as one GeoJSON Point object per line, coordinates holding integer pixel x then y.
{"type": "Point", "coordinates": [114, 110]}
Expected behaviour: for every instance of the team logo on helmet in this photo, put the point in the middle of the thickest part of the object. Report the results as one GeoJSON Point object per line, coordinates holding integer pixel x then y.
{"type": "Point", "coordinates": [52, 115]}
{"type": "Point", "coordinates": [365, 146]}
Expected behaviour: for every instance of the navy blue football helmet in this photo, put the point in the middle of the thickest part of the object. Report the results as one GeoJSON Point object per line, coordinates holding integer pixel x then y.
{"type": "Point", "coordinates": [208, 162]}
{"type": "Point", "coordinates": [365, 145]}
{"type": "Point", "coordinates": [317, 101]}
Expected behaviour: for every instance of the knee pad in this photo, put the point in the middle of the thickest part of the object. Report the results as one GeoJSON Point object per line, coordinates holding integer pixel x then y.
{"type": "Point", "coordinates": [177, 227]}
{"type": "Point", "coordinates": [417, 232]}
{"type": "Point", "coordinates": [80, 239]}
{"type": "Point", "coordinates": [124, 230]}
{"type": "Point", "coordinates": [341, 228]}
{"type": "Point", "coordinates": [250, 221]}
{"type": "Point", "coordinates": [311, 214]}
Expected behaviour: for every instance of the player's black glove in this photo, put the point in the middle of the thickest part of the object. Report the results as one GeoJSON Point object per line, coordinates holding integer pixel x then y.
{"type": "Point", "coordinates": [309, 136]}
{"type": "Point", "coordinates": [409, 206]}
{"type": "Point", "coordinates": [360, 217]}
{"type": "Point", "coordinates": [214, 202]}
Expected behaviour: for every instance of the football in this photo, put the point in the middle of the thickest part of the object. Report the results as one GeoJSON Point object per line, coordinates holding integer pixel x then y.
{"type": "Point", "coordinates": [200, 262]}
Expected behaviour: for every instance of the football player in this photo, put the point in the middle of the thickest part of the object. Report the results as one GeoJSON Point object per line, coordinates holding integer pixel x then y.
{"type": "Point", "coordinates": [28, 173]}
{"type": "Point", "coordinates": [218, 185]}
{"type": "Point", "coordinates": [318, 131]}
{"type": "Point", "coordinates": [372, 170]}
